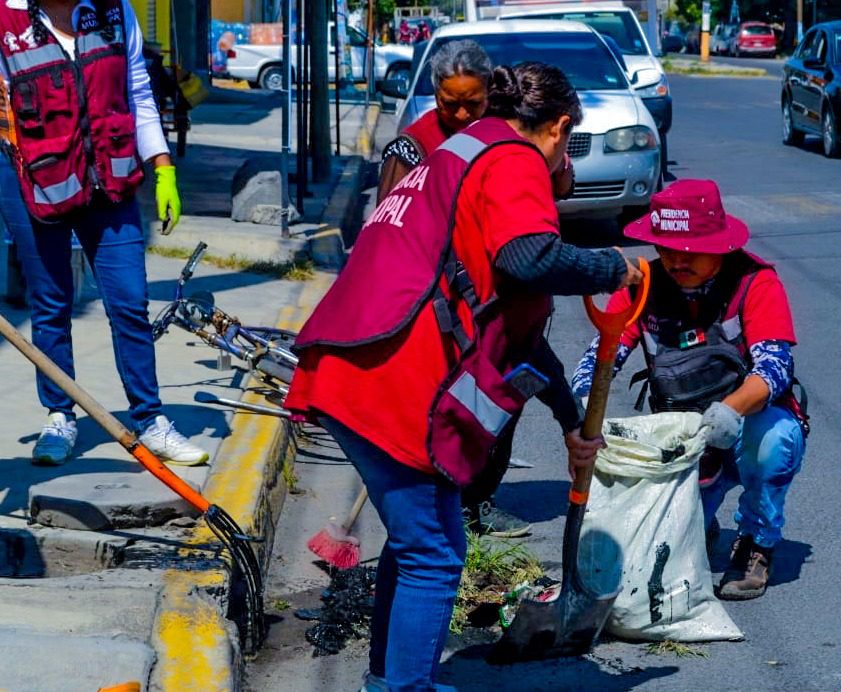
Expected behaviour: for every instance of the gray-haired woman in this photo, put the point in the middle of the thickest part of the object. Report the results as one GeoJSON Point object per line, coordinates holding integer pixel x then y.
{"type": "Point", "coordinates": [460, 73]}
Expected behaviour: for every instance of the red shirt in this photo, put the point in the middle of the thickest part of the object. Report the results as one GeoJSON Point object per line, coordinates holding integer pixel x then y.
{"type": "Point", "coordinates": [766, 315]}
{"type": "Point", "coordinates": [507, 193]}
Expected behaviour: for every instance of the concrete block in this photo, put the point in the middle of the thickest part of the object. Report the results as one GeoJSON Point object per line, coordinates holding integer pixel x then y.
{"type": "Point", "coordinates": [327, 248]}
{"type": "Point", "coordinates": [256, 184]}
{"type": "Point", "coordinates": [272, 214]}
{"type": "Point", "coordinates": [100, 501]}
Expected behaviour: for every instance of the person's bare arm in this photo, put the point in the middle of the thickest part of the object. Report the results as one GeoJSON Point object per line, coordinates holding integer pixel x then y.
{"type": "Point", "coordinates": [392, 172]}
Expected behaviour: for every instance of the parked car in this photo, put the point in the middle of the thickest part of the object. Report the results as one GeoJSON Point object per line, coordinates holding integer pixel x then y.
{"type": "Point", "coordinates": [673, 39]}
{"type": "Point", "coordinates": [615, 149]}
{"type": "Point", "coordinates": [811, 93]}
{"type": "Point", "coordinates": [693, 38]}
{"type": "Point", "coordinates": [262, 66]}
{"type": "Point", "coordinates": [720, 38]}
{"type": "Point", "coordinates": [621, 24]}
{"type": "Point", "coordinates": [753, 38]}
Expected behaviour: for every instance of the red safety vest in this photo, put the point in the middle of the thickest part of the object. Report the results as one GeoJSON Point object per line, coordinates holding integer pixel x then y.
{"type": "Point", "coordinates": [75, 131]}
{"type": "Point", "coordinates": [402, 262]}
{"type": "Point", "coordinates": [426, 132]}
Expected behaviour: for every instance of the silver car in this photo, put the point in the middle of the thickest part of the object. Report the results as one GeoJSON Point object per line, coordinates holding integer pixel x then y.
{"type": "Point", "coordinates": [615, 150]}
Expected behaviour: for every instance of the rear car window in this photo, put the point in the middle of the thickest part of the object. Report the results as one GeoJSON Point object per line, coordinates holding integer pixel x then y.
{"type": "Point", "coordinates": [620, 26]}
{"type": "Point", "coordinates": [758, 30]}
{"type": "Point", "coordinates": [585, 60]}
{"type": "Point", "coordinates": [836, 48]}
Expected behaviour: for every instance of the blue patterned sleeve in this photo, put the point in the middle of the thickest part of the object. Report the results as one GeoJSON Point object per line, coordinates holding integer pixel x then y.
{"type": "Point", "coordinates": [582, 378]}
{"type": "Point", "coordinates": [773, 362]}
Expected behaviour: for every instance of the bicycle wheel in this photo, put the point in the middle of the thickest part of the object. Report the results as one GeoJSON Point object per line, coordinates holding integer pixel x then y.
{"type": "Point", "coordinates": [162, 321]}
{"type": "Point", "coordinates": [273, 369]}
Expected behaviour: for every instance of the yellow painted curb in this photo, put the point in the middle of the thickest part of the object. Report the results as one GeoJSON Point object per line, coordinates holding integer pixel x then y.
{"type": "Point", "coordinates": [196, 645]}
{"type": "Point", "coordinates": [365, 139]}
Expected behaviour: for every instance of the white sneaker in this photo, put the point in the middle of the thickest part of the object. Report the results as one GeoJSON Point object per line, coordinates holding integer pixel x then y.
{"type": "Point", "coordinates": [55, 444]}
{"type": "Point", "coordinates": [166, 443]}
{"type": "Point", "coordinates": [374, 683]}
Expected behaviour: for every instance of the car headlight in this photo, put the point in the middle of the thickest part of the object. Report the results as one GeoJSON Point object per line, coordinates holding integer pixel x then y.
{"type": "Point", "coordinates": [659, 88]}
{"type": "Point", "coordinates": [629, 139]}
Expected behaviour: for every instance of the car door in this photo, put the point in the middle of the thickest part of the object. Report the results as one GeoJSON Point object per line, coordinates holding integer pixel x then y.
{"type": "Point", "coordinates": [814, 82]}
{"type": "Point", "coordinates": [796, 78]}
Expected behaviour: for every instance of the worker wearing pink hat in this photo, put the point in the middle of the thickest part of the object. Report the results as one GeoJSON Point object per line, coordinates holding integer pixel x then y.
{"type": "Point", "coordinates": [717, 336]}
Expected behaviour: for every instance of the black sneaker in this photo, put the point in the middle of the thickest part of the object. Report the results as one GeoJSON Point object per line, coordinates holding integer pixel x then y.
{"type": "Point", "coordinates": [486, 519]}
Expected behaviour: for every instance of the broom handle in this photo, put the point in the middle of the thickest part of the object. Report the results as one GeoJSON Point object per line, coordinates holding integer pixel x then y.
{"type": "Point", "coordinates": [356, 509]}
{"type": "Point", "coordinates": [94, 409]}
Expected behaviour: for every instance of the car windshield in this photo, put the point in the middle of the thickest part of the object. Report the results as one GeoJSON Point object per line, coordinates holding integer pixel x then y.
{"type": "Point", "coordinates": [585, 60]}
{"type": "Point", "coordinates": [620, 26]}
{"type": "Point", "coordinates": [758, 30]}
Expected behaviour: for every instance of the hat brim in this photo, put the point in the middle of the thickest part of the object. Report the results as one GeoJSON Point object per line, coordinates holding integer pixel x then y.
{"type": "Point", "coordinates": [733, 237]}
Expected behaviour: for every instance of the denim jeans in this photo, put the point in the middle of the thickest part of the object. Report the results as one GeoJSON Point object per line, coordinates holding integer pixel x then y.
{"type": "Point", "coordinates": [765, 459]}
{"type": "Point", "coordinates": [112, 239]}
{"type": "Point", "coordinates": [420, 565]}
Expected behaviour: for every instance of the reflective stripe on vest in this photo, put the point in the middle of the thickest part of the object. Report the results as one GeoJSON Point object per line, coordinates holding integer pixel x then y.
{"type": "Point", "coordinates": [464, 146]}
{"type": "Point", "coordinates": [123, 167]}
{"type": "Point", "coordinates": [59, 192]}
{"type": "Point", "coordinates": [88, 43]}
{"type": "Point", "coordinates": [491, 417]}
{"type": "Point", "coordinates": [34, 58]}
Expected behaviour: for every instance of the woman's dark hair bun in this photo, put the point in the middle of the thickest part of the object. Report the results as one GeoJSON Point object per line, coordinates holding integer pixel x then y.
{"type": "Point", "coordinates": [504, 93]}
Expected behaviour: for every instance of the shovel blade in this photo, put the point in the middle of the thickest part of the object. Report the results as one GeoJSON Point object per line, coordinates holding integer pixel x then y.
{"type": "Point", "coordinates": [567, 626]}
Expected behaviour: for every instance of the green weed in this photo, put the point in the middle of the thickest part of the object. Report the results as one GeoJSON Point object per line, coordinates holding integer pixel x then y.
{"type": "Point", "coordinates": [291, 271]}
{"type": "Point", "coordinates": [491, 569]}
{"type": "Point", "coordinates": [668, 646]}
{"type": "Point", "coordinates": [290, 478]}
{"type": "Point", "coordinates": [280, 604]}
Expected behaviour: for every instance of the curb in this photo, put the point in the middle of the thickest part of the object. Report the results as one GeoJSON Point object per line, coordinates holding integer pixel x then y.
{"type": "Point", "coordinates": [197, 647]}
{"type": "Point", "coordinates": [365, 139]}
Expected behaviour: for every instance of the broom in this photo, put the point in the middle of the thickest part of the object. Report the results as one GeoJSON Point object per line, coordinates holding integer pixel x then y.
{"type": "Point", "coordinates": [216, 518]}
{"type": "Point", "coordinates": [334, 544]}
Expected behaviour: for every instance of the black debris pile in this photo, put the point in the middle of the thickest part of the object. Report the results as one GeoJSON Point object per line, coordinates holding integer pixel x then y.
{"type": "Point", "coordinates": [348, 605]}
{"type": "Point", "coordinates": [669, 455]}
{"type": "Point", "coordinates": [619, 430]}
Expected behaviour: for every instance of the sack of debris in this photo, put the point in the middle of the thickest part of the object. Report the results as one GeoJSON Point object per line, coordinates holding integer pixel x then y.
{"type": "Point", "coordinates": [645, 503]}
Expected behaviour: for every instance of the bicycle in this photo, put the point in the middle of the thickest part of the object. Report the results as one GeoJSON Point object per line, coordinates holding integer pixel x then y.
{"type": "Point", "coordinates": [264, 349]}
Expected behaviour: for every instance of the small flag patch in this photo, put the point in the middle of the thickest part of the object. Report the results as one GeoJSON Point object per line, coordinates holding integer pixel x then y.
{"type": "Point", "coordinates": [693, 337]}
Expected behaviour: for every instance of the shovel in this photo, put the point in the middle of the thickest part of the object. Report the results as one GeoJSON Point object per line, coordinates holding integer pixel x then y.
{"type": "Point", "coordinates": [566, 622]}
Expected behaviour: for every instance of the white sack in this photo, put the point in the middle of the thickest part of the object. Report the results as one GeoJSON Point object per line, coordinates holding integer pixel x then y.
{"type": "Point", "coordinates": [644, 530]}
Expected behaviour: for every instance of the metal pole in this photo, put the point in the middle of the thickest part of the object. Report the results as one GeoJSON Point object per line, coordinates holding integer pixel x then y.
{"type": "Point", "coordinates": [287, 112]}
{"type": "Point", "coordinates": [799, 20]}
{"type": "Point", "coordinates": [301, 175]}
{"type": "Point", "coordinates": [369, 55]}
{"type": "Point", "coordinates": [337, 76]}
{"type": "Point", "coordinates": [652, 26]}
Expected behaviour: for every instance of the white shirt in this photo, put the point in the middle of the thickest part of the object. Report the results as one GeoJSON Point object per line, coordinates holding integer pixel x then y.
{"type": "Point", "coordinates": [150, 135]}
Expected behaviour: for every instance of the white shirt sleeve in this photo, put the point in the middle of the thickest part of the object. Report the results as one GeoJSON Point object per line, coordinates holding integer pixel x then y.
{"type": "Point", "coordinates": [150, 134]}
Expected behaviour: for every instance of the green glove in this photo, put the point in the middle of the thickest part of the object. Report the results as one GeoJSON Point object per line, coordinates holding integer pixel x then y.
{"type": "Point", "coordinates": [166, 194]}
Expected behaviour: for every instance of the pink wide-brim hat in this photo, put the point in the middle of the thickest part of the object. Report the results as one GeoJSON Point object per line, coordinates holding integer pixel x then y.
{"type": "Point", "coordinates": [689, 216]}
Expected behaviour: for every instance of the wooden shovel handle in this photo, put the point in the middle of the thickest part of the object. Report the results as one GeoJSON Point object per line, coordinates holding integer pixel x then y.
{"type": "Point", "coordinates": [610, 326]}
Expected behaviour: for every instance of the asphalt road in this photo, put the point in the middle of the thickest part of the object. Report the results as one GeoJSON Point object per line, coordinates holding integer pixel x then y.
{"type": "Point", "coordinates": [726, 129]}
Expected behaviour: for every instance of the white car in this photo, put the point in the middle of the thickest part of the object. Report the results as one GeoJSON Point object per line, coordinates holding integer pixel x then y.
{"type": "Point", "coordinates": [615, 150]}
{"type": "Point", "coordinates": [262, 66]}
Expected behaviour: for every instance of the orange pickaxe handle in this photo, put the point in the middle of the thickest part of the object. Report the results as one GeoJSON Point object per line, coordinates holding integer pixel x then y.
{"type": "Point", "coordinates": [610, 326]}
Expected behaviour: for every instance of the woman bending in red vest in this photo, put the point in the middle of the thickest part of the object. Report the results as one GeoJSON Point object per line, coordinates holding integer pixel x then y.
{"type": "Point", "coordinates": [417, 376]}
{"type": "Point", "coordinates": [85, 121]}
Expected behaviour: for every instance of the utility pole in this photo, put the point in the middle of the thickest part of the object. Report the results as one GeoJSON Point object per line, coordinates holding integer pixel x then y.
{"type": "Point", "coordinates": [705, 31]}
{"type": "Point", "coordinates": [286, 145]}
{"type": "Point", "coordinates": [799, 20]}
{"type": "Point", "coordinates": [320, 94]}
{"type": "Point", "coordinates": [369, 55]}
{"type": "Point", "coordinates": [653, 33]}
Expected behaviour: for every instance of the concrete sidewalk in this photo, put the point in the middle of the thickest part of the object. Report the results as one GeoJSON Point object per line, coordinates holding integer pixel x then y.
{"type": "Point", "coordinates": [80, 610]}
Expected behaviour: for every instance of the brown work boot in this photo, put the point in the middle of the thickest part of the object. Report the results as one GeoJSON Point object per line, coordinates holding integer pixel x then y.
{"type": "Point", "coordinates": [747, 574]}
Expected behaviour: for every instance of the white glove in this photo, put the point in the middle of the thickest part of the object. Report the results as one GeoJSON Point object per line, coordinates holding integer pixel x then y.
{"type": "Point", "coordinates": [723, 425]}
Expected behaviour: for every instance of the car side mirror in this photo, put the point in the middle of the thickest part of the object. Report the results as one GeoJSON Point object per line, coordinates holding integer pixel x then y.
{"type": "Point", "coordinates": [394, 88]}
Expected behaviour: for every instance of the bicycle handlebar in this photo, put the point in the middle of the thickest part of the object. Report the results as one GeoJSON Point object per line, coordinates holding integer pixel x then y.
{"type": "Point", "coordinates": [190, 267]}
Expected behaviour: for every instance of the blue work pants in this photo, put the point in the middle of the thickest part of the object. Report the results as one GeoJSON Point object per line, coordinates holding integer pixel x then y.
{"type": "Point", "coordinates": [420, 565]}
{"type": "Point", "coordinates": [112, 239]}
{"type": "Point", "coordinates": [765, 459]}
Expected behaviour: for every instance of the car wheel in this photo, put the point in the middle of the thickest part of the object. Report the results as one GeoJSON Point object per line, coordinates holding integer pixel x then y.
{"type": "Point", "coordinates": [831, 143]}
{"type": "Point", "coordinates": [791, 136]}
{"type": "Point", "coordinates": [272, 78]}
{"type": "Point", "coordinates": [401, 73]}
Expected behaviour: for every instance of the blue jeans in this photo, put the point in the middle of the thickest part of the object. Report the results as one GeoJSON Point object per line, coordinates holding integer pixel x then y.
{"type": "Point", "coordinates": [112, 239]}
{"type": "Point", "coordinates": [765, 459]}
{"type": "Point", "coordinates": [420, 565]}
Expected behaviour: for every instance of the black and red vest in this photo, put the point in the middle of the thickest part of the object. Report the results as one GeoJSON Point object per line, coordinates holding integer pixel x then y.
{"type": "Point", "coordinates": [75, 132]}
{"type": "Point", "coordinates": [696, 359]}
{"type": "Point", "coordinates": [402, 261]}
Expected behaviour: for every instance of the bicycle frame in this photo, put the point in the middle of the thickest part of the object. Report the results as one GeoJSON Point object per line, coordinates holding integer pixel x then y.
{"type": "Point", "coordinates": [261, 350]}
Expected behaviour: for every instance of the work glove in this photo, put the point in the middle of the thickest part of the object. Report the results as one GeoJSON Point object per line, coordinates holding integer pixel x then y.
{"type": "Point", "coordinates": [722, 425]}
{"type": "Point", "coordinates": [166, 195]}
